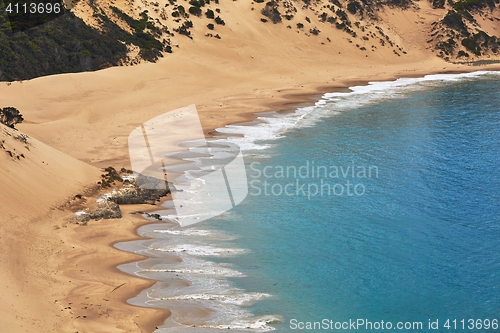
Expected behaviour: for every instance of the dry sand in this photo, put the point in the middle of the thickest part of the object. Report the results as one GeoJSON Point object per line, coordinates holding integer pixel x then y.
{"type": "Point", "coordinates": [52, 273]}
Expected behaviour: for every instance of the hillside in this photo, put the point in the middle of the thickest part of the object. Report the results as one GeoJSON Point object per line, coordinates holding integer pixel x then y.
{"type": "Point", "coordinates": [96, 34]}
{"type": "Point", "coordinates": [35, 179]}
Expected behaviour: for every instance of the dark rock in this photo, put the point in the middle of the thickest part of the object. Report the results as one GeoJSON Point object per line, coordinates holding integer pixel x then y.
{"type": "Point", "coordinates": [105, 210]}
{"type": "Point", "coordinates": [144, 190]}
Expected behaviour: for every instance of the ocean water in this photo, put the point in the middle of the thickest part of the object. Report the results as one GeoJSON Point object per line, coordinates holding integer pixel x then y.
{"type": "Point", "coordinates": [379, 205]}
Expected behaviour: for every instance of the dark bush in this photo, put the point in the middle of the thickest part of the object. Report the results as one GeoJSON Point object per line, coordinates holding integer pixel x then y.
{"type": "Point", "coordinates": [195, 11]}
{"type": "Point", "coordinates": [220, 21]}
{"type": "Point", "coordinates": [471, 45]}
{"type": "Point", "coordinates": [399, 3]}
{"type": "Point", "coordinates": [10, 116]}
{"type": "Point", "coordinates": [341, 14]}
{"type": "Point", "coordinates": [210, 14]}
{"type": "Point", "coordinates": [197, 3]}
{"type": "Point", "coordinates": [271, 11]}
{"type": "Point", "coordinates": [447, 46]}
{"type": "Point", "coordinates": [470, 4]}
{"type": "Point", "coordinates": [354, 6]}
{"type": "Point", "coordinates": [314, 31]}
{"type": "Point", "coordinates": [63, 45]}
{"type": "Point", "coordinates": [454, 21]}
{"type": "Point", "coordinates": [210, 26]}
{"type": "Point", "coordinates": [438, 3]}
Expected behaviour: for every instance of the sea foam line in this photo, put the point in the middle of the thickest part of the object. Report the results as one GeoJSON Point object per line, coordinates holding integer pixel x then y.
{"type": "Point", "coordinates": [254, 137]}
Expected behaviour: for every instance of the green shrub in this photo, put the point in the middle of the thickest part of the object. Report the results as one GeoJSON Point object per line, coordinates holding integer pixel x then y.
{"type": "Point", "coordinates": [314, 31]}
{"type": "Point", "coordinates": [354, 6]}
{"type": "Point", "coordinates": [220, 21]}
{"type": "Point", "coordinates": [471, 45]}
{"type": "Point", "coordinates": [195, 11]}
{"type": "Point", "coordinates": [341, 14]}
{"type": "Point", "coordinates": [63, 45]}
{"type": "Point", "coordinates": [438, 3]}
{"type": "Point", "coordinates": [197, 3]}
{"type": "Point", "coordinates": [454, 21]}
{"type": "Point", "coordinates": [210, 14]}
{"type": "Point", "coordinates": [271, 11]}
{"type": "Point", "coordinates": [469, 4]}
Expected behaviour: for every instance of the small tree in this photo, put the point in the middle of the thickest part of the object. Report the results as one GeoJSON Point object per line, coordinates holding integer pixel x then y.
{"type": "Point", "coordinates": [10, 116]}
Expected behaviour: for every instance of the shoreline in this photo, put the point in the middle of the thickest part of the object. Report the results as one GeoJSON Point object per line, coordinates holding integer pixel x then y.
{"type": "Point", "coordinates": [107, 283]}
{"type": "Point", "coordinates": [290, 102]}
{"type": "Point", "coordinates": [295, 101]}
{"type": "Point", "coordinates": [92, 245]}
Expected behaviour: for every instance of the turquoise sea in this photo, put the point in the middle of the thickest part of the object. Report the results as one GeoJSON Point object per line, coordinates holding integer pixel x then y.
{"type": "Point", "coordinates": [377, 206]}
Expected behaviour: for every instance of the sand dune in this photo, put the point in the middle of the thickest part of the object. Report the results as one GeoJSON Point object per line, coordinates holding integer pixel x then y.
{"type": "Point", "coordinates": [84, 120]}
{"type": "Point", "coordinates": [57, 276]}
{"type": "Point", "coordinates": [35, 180]}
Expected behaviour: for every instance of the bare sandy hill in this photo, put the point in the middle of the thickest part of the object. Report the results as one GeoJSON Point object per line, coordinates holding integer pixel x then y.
{"type": "Point", "coordinates": [35, 178]}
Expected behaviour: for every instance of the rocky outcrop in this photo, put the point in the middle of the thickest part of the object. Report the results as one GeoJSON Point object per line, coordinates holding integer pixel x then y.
{"type": "Point", "coordinates": [136, 195]}
{"type": "Point", "coordinates": [104, 210]}
{"type": "Point", "coordinates": [122, 188]}
{"type": "Point", "coordinates": [134, 190]}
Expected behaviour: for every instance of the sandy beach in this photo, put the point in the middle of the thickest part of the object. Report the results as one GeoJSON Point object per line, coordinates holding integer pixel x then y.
{"type": "Point", "coordinates": [69, 272]}
{"type": "Point", "coordinates": [62, 277]}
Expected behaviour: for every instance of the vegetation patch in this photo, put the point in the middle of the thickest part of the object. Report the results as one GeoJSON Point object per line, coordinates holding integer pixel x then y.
{"type": "Point", "coordinates": [471, 45]}
{"type": "Point", "coordinates": [355, 7]}
{"type": "Point", "coordinates": [63, 45]}
{"type": "Point", "coordinates": [455, 21]}
{"type": "Point", "coordinates": [271, 11]}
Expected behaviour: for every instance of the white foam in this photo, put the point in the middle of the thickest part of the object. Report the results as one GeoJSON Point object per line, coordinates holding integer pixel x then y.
{"type": "Point", "coordinates": [224, 316]}
{"type": "Point", "coordinates": [242, 299]}
{"type": "Point", "coordinates": [200, 250]}
{"type": "Point", "coordinates": [212, 271]}
{"type": "Point", "coordinates": [212, 234]}
{"type": "Point", "coordinates": [187, 232]}
{"type": "Point", "coordinates": [272, 128]}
